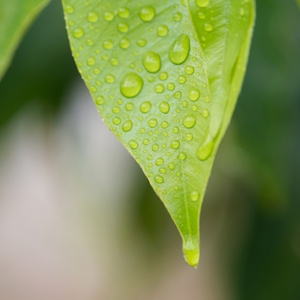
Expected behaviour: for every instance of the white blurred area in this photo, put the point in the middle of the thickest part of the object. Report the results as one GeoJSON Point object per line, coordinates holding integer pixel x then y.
{"type": "Point", "coordinates": [65, 230]}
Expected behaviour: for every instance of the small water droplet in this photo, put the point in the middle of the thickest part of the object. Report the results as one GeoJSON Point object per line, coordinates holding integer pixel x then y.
{"type": "Point", "coordinates": [108, 44]}
{"type": "Point", "coordinates": [145, 107]}
{"type": "Point", "coordinates": [115, 109]}
{"type": "Point", "coordinates": [108, 16]}
{"type": "Point", "coordinates": [159, 88]}
{"type": "Point", "coordinates": [123, 12]}
{"type": "Point", "coordinates": [152, 62]}
{"type": "Point", "coordinates": [202, 3]}
{"type": "Point", "coordinates": [189, 121]}
{"type": "Point", "coordinates": [208, 27]}
{"type": "Point", "coordinates": [145, 141]}
{"type": "Point", "coordinates": [114, 61]}
{"type": "Point", "coordinates": [181, 156]}
{"type": "Point", "coordinates": [194, 196]}
{"type": "Point", "coordinates": [91, 61]}
{"type": "Point", "coordinates": [152, 123]}
{"type": "Point", "coordinates": [147, 14]}
{"type": "Point", "coordinates": [116, 120]}
{"type": "Point", "coordinates": [205, 151]}
{"type": "Point", "coordinates": [189, 70]}
{"type": "Point", "coordinates": [180, 50]}
{"type": "Point", "coordinates": [205, 113]}
{"type": "Point", "coordinates": [171, 166]}
{"type": "Point", "coordinates": [155, 147]}
{"type": "Point", "coordinates": [99, 100]}
{"type": "Point", "coordinates": [92, 17]}
{"type": "Point", "coordinates": [162, 170]}
{"type": "Point", "coordinates": [69, 9]}
{"type": "Point", "coordinates": [141, 42]}
{"type": "Point", "coordinates": [162, 30]}
{"type": "Point", "coordinates": [159, 161]}
{"type": "Point", "coordinates": [178, 95]}
{"type": "Point", "coordinates": [194, 94]}
{"type": "Point", "coordinates": [242, 11]}
{"type": "Point", "coordinates": [109, 78]}
{"type": "Point", "coordinates": [189, 136]}
{"type": "Point", "coordinates": [159, 179]}
{"type": "Point", "coordinates": [181, 79]}
{"type": "Point", "coordinates": [175, 144]}
{"type": "Point", "coordinates": [171, 86]}
{"type": "Point", "coordinates": [124, 43]}
{"type": "Point", "coordinates": [164, 107]}
{"type": "Point", "coordinates": [175, 129]}
{"type": "Point", "coordinates": [78, 32]}
{"type": "Point", "coordinates": [127, 126]}
{"type": "Point", "coordinates": [177, 17]}
{"type": "Point", "coordinates": [123, 27]}
{"type": "Point", "coordinates": [131, 85]}
{"type": "Point", "coordinates": [163, 76]}
{"type": "Point", "coordinates": [133, 144]}
{"type": "Point", "coordinates": [164, 124]}
{"type": "Point", "coordinates": [129, 106]}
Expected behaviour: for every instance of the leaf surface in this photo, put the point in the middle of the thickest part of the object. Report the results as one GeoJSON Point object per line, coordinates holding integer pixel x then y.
{"type": "Point", "coordinates": [15, 17]}
{"type": "Point", "coordinates": [165, 76]}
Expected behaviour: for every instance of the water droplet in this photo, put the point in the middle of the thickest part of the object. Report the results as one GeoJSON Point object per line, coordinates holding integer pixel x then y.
{"type": "Point", "coordinates": [162, 30]}
{"type": "Point", "coordinates": [159, 161]}
{"type": "Point", "coordinates": [123, 12]}
{"type": "Point", "coordinates": [141, 42]}
{"type": "Point", "coordinates": [189, 136]}
{"type": "Point", "coordinates": [99, 100]}
{"type": "Point", "coordinates": [175, 129]}
{"type": "Point", "coordinates": [178, 95]}
{"type": "Point", "coordinates": [114, 61]}
{"type": "Point", "coordinates": [205, 151]}
{"type": "Point", "coordinates": [127, 126]}
{"type": "Point", "coordinates": [91, 61]}
{"type": "Point", "coordinates": [123, 27]}
{"type": "Point", "coordinates": [109, 78]}
{"type": "Point", "coordinates": [124, 43]}
{"type": "Point", "coordinates": [162, 170]}
{"type": "Point", "coordinates": [159, 88]}
{"type": "Point", "coordinates": [181, 156]}
{"type": "Point", "coordinates": [175, 144]}
{"type": "Point", "coordinates": [171, 166]}
{"type": "Point", "coordinates": [202, 3]}
{"type": "Point", "coordinates": [133, 144]}
{"type": "Point", "coordinates": [242, 11]}
{"type": "Point", "coordinates": [116, 120]}
{"type": "Point", "coordinates": [108, 16]}
{"type": "Point", "coordinates": [205, 113]}
{"type": "Point", "coordinates": [164, 107]}
{"type": "Point", "coordinates": [152, 62]}
{"type": "Point", "coordinates": [194, 94]}
{"type": "Point", "coordinates": [92, 17]}
{"type": "Point", "coordinates": [184, 103]}
{"type": "Point", "coordinates": [129, 106]}
{"type": "Point", "coordinates": [147, 14]}
{"type": "Point", "coordinates": [163, 76]}
{"type": "Point", "coordinates": [115, 109]}
{"type": "Point", "coordinates": [164, 124]}
{"type": "Point", "coordinates": [180, 50]}
{"type": "Point", "coordinates": [189, 70]}
{"type": "Point", "coordinates": [145, 141]}
{"type": "Point", "coordinates": [201, 15]}
{"type": "Point", "coordinates": [152, 123]}
{"type": "Point", "coordinates": [155, 147]}
{"type": "Point", "coordinates": [145, 107]}
{"type": "Point", "coordinates": [208, 27]}
{"type": "Point", "coordinates": [194, 196]}
{"type": "Point", "coordinates": [189, 121]}
{"type": "Point", "coordinates": [131, 85]}
{"type": "Point", "coordinates": [171, 86]}
{"type": "Point", "coordinates": [78, 32]}
{"type": "Point", "coordinates": [108, 44]}
{"type": "Point", "coordinates": [181, 79]}
{"type": "Point", "coordinates": [69, 9]}
{"type": "Point", "coordinates": [177, 17]}
{"type": "Point", "coordinates": [159, 179]}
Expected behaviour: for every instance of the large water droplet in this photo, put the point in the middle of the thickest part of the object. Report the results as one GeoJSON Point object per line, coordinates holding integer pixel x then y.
{"type": "Point", "coordinates": [124, 43]}
{"type": "Point", "coordinates": [69, 9]}
{"type": "Point", "coordinates": [108, 44]}
{"type": "Point", "coordinates": [181, 156]}
{"type": "Point", "coordinates": [205, 151]}
{"type": "Point", "coordinates": [123, 27]}
{"type": "Point", "coordinates": [202, 3]}
{"type": "Point", "coordinates": [78, 32]}
{"type": "Point", "coordinates": [152, 62]}
{"type": "Point", "coordinates": [123, 12]}
{"type": "Point", "coordinates": [131, 85]}
{"type": "Point", "coordinates": [152, 123]}
{"type": "Point", "coordinates": [175, 144]}
{"type": "Point", "coordinates": [147, 13]}
{"type": "Point", "coordinates": [159, 161]}
{"type": "Point", "coordinates": [194, 195]}
{"type": "Point", "coordinates": [194, 94]}
{"type": "Point", "coordinates": [189, 121]}
{"type": "Point", "coordinates": [180, 50]}
{"type": "Point", "coordinates": [92, 17]}
{"type": "Point", "coordinates": [133, 144]}
{"type": "Point", "coordinates": [108, 16]}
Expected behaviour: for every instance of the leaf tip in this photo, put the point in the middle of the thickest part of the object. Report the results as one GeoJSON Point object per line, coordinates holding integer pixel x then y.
{"type": "Point", "coordinates": [191, 250]}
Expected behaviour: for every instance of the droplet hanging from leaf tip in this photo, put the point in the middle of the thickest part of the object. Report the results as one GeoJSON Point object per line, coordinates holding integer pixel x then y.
{"type": "Point", "coordinates": [191, 250]}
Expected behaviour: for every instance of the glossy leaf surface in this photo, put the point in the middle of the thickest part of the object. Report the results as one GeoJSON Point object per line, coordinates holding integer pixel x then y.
{"type": "Point", "coordinates": [15, 17]}
{"type": "Point", "coordinates": [165, 76]}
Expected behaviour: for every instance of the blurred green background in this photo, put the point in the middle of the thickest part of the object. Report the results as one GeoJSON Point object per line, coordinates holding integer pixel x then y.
{"type": "Point", "coordinates": [78, 219]}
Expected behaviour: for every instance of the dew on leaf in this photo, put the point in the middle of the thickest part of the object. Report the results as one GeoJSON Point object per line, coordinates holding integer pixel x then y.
{"type": "Point", "coordinates": [91, 61]}
{"type": "Point", "coordinates": [155, 147]}
{"type": "Point", "coordinates": [175, 144]}
{"type": "Point", "coordinates": [147, 14]}
{"type": "Point", "coordinates": [108, 16]}
{"type": "Point", "coordinates": [152, 62]}
{"type": "Point", "coordinates": [194, 196]}
{"type": "Point", "coordinates": [171, 166]}
{"type": "Point", "coordinates": [164, 107]}
{"type": "Point", "coordinates": [115, 109]}
{"type": "Point", "coordinates": [123, 12]}
{"type": "Point", "coordinates": [133, 144]}
{"type": "Point", "coordinates": [205, 113]}
{"type": "Point", "coordinates": [69, 9]}
{"type": "Point", "coordinates": [129, 106]}
{"type": "Point", "coordinates": [78, 32]}
{"type": "Point", "coordinates": [163, 76]}
{"type": "Point", "coordinates": [194, 94]}
{"type": "Point", "coordinates": [152, 123]}
{"type": "Point", "coordinates": [159, 88]}
{"type": "Point", "coordinates": [131, 85]}
{"type": "Point", "coordinates": [159, 161]}
{"type": "Point", "coordinates": [189, 70]}
{"type": "Point", "coordinates": [162, 30]}
{"type": "Point", "coordinates": [162, 170]}
{"type": "Point", "coordinates": [127, 126]}
{"type": "Point", "coordinates": [205, 151]}
{"type": "Point", "coordinates": [141, 42]}
{"type": "Point", "coordinates": [178, 95]}
{"type": "Point", "coordinates": [181, 156]}
{"type": "Point", "coordinates": [164, 124]}
{"type": "Point", "coordinates": [179, 50]}
{"type": "Point", "coordinates": [159, 179]}
{"type": "Point", "coordinates": [189, 121]}
{"type": "Point", "coordinates": [177, 17]}
{"type": "Point", "coordinates": [109, 78]}
{"type": "Point", "coordinates": [171, 86]}
{"type": "Point", "coordinates": [145, 107]}
{"type": "Point", "coordinates": [114, 61]}
{"type": "Point", "coordinates": [99, 100]}
{"type": "Point", "coordinates": [208, 27]}
{"type": "Point", "coordinates": [116, 120]}
{"type": "Point", "coordinates": [181, 79]}
{"type": "Point", "coordinates": [202, 3]}
{"type": "Point", "coordinates": [92, 17]}
{"type": "Point", "coordinates": [108, 44]}
{"type": "Point", "coordinates": [189, 136]}
{"type": "Point", "coordinates": [123, 27]}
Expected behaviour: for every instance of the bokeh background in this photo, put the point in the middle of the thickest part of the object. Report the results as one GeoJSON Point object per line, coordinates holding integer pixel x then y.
{"type": "Point", "coordinates": [78, 219]}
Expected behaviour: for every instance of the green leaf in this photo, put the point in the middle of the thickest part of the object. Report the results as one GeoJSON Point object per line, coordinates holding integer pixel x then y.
{"type": "Point", "coordinates": [15, 17]}
{"type": "Point", "coordinates": [165, 76]}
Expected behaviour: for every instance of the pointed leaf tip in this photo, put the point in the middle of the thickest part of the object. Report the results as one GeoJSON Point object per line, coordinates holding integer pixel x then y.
{"type": "Point", "coordinates": [191, 250]}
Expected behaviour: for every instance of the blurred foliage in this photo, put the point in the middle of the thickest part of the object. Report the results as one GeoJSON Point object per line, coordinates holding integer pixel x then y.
{"type": "Point", "coordinates": [266, 129]}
